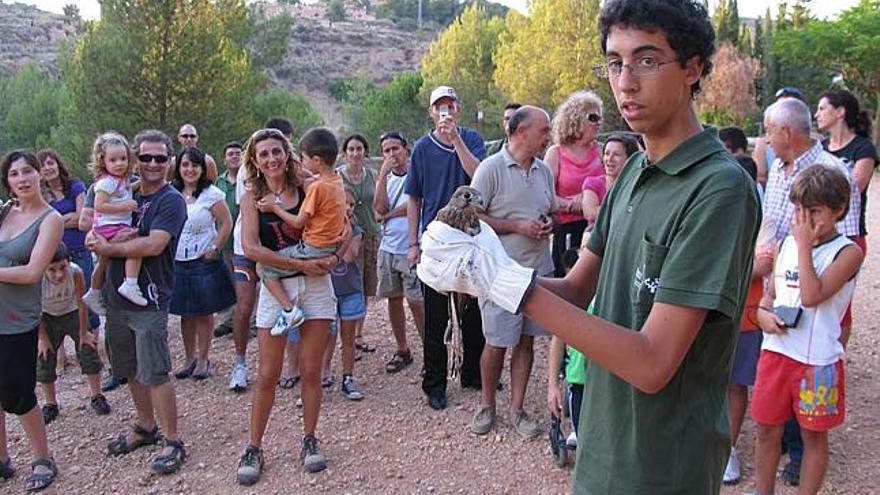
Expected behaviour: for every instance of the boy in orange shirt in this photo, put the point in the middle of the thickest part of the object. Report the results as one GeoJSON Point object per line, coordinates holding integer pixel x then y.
{"type": "Point", "coordinates": [321, 218]}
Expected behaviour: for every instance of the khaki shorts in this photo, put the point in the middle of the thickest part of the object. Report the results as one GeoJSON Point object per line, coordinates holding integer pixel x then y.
{"type": "Point", "coordinates": [314, 295]}
{"type": "Point", "coordinates": [504, 329]}
{"type": "Point", "coordinates": [367, 261]}
{"type": "Point", "coordinates": [396, 278]}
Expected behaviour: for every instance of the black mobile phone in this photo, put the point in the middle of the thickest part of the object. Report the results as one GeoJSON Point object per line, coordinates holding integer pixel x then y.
{"type": "Point", "coordinates": [790, 315]}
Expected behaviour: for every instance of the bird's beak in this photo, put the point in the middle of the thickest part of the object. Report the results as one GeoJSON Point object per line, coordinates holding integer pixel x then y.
{"type": "Point", "coordinates": [478, 204]}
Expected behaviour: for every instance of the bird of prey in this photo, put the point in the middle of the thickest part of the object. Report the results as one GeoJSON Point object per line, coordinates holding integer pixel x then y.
{"type": "Point", "coordinates": [462, 209]}
{"type": "Point", "coordinates": [461, 212]}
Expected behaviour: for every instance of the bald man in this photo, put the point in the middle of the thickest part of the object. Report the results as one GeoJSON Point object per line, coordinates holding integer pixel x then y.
{"type": "Point", "coordinates": [188, 137]}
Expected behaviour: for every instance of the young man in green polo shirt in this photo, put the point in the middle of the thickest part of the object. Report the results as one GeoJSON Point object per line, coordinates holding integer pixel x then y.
{"type": "Point", "coordinates": [668, 262]}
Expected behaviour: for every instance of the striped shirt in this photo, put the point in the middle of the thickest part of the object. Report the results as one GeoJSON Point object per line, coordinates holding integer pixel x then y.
{"type": "Point", "coordinates": [780, 209]}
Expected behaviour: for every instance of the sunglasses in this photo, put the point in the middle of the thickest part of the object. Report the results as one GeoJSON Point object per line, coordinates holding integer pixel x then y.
{"type": "Point", "coordinates": [392, 135]}
{"type": "Point", "coordinates": [189, 136]}
{"type": "Point", "coordinates": [146, 158]}
{"type": "Point", "coordinates": [594, 118]}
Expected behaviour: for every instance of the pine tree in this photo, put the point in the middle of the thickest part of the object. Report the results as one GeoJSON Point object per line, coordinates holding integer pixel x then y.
{"type": "Point", "coordinates": [733, 24]}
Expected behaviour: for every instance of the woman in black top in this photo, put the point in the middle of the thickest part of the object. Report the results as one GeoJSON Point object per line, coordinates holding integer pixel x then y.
{"type": "Point", "coordinates": [848, 138]}
{"type": "Point", "coordinates": [276, 178]}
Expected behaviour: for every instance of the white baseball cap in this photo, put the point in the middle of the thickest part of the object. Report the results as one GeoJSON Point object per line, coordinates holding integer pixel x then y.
{"type": "Point", "coordinates": [442, 92]}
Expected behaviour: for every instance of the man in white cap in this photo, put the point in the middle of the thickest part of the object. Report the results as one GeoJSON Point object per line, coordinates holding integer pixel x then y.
{"type": "Point", "coordinates": [188, 137]}
{"type": "Point", "coordinates": [443, 160]}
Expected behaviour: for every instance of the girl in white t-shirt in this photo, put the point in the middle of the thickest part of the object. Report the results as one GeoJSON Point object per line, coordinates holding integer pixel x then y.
{"type": "Point", "coordinates": [112, 162]}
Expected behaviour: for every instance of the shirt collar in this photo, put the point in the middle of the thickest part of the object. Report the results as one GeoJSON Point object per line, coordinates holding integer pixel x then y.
{"type": "Point", "coordinates": [510, 161]}
{"type": "Point", "coordinates": [694, 150]}
{"type": "Point", "coordinates": [806, 158]}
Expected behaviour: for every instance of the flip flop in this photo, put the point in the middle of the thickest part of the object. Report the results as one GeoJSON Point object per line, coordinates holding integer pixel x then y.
{"type": "Point", "coordinates": [364, 346]}
{"type": "Point", "coordinates": [288, 382]}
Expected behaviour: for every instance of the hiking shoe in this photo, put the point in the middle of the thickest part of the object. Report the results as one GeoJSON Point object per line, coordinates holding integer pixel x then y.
{"type": "Point", "coordinates": [250, 466]}
{"type": "Point", "coordinates": [483, 420]}
{"type": "Point", "coordinates": [222, 330]}
{"type": "Point", "coordinates": [238, 379]}
{"type": "Point", "coordinates": [92, 298]}
{"type": "Point", "coordinates": [133, 293]}
{"type": "Point", "coordinates": [292, 317]}
{"type": "Point", "coordinates": [525, 425]}
{"type": "Point", "coordinates": [571, 441]}
{"type": "Point", "coordinates": [731, 472]}
{"type": "Point", "coordinates": [7, 471]}
{"type": "Point", "coordinates": [50, 413]}
{"type": "Point", "coordinates": [111, 383]}
{"type": "Point", "coordinates": [791, 474]}
{"type": "Point", "coordinates": [100, 405]}
{"type": "Point", "coordinates": [350, 388]}
{"type": "Point", "coordinates": [312, 457]}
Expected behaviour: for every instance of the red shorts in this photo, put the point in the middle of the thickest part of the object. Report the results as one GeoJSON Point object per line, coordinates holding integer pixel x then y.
{"type": "Point", "coordinates": [846, 322]}
{"type": "Point", "coordinates": [814, 394]}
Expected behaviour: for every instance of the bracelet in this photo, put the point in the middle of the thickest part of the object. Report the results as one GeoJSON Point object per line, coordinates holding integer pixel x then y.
{"type": "Point", "coordinates": [765, 308]}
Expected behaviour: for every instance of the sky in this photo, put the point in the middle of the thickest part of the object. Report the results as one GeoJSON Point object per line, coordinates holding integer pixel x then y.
{"type": "Point", "coordinates": [747, 8]}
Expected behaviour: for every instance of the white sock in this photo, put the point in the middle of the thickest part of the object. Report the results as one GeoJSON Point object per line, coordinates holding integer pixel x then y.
{"type": "Point", "coordinates": [131, 281]}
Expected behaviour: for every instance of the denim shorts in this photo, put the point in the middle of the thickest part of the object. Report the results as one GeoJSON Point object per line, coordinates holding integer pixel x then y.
{"type": "Point", "coordinates": [244, 269]}
{"type": "Point", "coordinates": [351, 306]}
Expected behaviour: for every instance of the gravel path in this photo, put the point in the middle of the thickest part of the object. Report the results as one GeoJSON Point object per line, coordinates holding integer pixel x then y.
{"type": "Point", "coordinates": [391, 442]}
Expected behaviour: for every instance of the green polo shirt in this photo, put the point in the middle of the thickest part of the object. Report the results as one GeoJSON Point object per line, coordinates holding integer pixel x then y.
{"type": "Point", "coordinates": [680, 231]}
{"type": "Point", "coordinates": [228, 188]}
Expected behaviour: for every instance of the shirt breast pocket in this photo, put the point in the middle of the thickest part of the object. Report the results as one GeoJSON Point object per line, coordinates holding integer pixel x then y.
{"type": "Point", "coordinates": [646, 281]}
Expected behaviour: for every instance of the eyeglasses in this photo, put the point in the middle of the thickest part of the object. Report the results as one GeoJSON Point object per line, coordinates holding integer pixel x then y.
{"type": "Point", "coordinates": [147, 158]}
{"type": "Point", "coordinates": [643, 67]}
{"type": "Point", "coordinates": [594, 118]}
{"type": "Point", "coordinates": [189, 136]}
{"type": "Point", "coordinates": [392, 135]}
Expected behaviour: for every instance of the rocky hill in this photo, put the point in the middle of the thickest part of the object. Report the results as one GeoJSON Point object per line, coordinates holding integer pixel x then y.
{"type": "Point", "coordinates": [319, 51]}
{"type": "Point", "coordinates": [29, 34]}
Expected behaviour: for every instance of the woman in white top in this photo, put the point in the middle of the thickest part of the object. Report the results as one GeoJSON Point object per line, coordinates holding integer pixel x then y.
{"type": "Point", "coordinates": [202, 282]}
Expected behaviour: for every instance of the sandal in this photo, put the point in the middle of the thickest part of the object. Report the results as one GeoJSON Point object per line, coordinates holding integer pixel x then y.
{"type": "Point", "coordinates": [288, 382]}
{"type": "Point", "coordinates": [142, 437]}
{"type": "Point", "coordinates": [186, 371]}
{"type": "Point", "coordinates": [38, 481]}
{"type": "Point", "coordinates": [327, 381]}
{"type": "Point", "coordinates": [199, 375]}
{"type": "Point", "coordinates": [169, 462]}
{"type": "Point", "coordinates": [364, 346]}
{"type": "Point", "coordinates": [398, 362]}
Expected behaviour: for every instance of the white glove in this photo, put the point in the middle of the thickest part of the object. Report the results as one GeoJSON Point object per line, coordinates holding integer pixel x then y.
{"type": "Point", "coordinates": [453, 261]}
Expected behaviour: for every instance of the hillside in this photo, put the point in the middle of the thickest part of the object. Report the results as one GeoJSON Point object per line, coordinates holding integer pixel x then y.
{"type": "Point", "coordinates": [318, 53]}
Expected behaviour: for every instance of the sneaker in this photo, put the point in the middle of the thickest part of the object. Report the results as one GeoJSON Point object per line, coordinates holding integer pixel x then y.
{"type": "Point", "coordinates": [250, 466]}
{"type": "Point", "coordinates": [111, 383]}
{"type": "Point", "coordinates": [287, 319]}
{"type": "Point", "coordinates": [731, 472]}
{"type": "Point", "coordinates": [483, 420]}
{"type": "Point", "coordinates": [7, 471]}
{"type": "Point", "coordinates": [312, 457]}
{"type": "Point", "coordinates": [222, 330]}
{"type": "Point", "coordinates": [100, 405]}
{"type": "Point", "coordinates": [791, 474]}
{"type": "Point", "coordinates": [92, 298]}
{"type": "Point", "coordinates": [350, 388]}
{"type": "Point", "coordinates": [437, 402]}
{"type": "Point", "coordinates": [50, 413]}
{"type": "Point", "coordinates": [571, 441]}
{"type": "Point", "coordinates": [133, 293]}
{"type": "Point", "coordinates": [525, 425]}
{"type": "Point", "coordinates": [238, 379]}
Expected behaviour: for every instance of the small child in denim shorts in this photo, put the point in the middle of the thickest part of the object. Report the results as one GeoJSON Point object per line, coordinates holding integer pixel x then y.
{"type": "Point", "coordinates": [322, 219]}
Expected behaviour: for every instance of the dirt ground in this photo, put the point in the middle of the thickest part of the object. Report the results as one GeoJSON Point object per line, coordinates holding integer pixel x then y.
{"type": "Point", "coordinates": [391, 442]}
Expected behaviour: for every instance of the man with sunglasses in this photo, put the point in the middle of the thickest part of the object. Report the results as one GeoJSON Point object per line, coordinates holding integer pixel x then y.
{"type": "Point", "coordinates": [188, 137]}
{"type": "Point", "coordinates": [138, 336]}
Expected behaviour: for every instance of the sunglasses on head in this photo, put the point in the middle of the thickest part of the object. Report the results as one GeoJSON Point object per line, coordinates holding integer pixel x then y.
{"type": "Point", "coordinates": [147, 158]}
{"type": "Point", "coordinates": [392, 135]}
{"type": "Point", "coordinates": [189, 136]}
{"type": "Point", "coordinates": [594, 118]}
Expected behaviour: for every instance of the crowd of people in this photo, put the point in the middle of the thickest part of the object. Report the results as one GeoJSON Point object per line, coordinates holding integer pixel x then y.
{"type": "Point", "coordinates": [658, 316]}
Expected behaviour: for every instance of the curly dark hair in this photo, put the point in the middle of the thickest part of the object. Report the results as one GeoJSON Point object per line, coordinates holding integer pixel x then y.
{"type": "Point", "coordinates": [685, 22]}
{"type": "Point", "coordinates": [63, 171]}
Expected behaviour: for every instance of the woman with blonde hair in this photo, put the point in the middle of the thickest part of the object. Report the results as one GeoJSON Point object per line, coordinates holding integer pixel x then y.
{"type": "Point", "coordinates": [574, 156]}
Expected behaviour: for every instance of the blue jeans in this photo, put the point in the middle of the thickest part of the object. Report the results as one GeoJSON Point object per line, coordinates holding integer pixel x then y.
{"type": "Point", "coordinates": [83, 258]}
{"type": "Point", "coordinates": [792, 442]}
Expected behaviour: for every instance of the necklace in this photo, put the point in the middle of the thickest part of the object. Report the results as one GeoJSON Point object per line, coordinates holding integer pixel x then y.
{"type": "Point", "coordinates": [278, 195]}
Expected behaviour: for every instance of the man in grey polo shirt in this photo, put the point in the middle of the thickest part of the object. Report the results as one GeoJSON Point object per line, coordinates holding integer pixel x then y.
{"type": "Point", "coordinates": [517, 191]}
